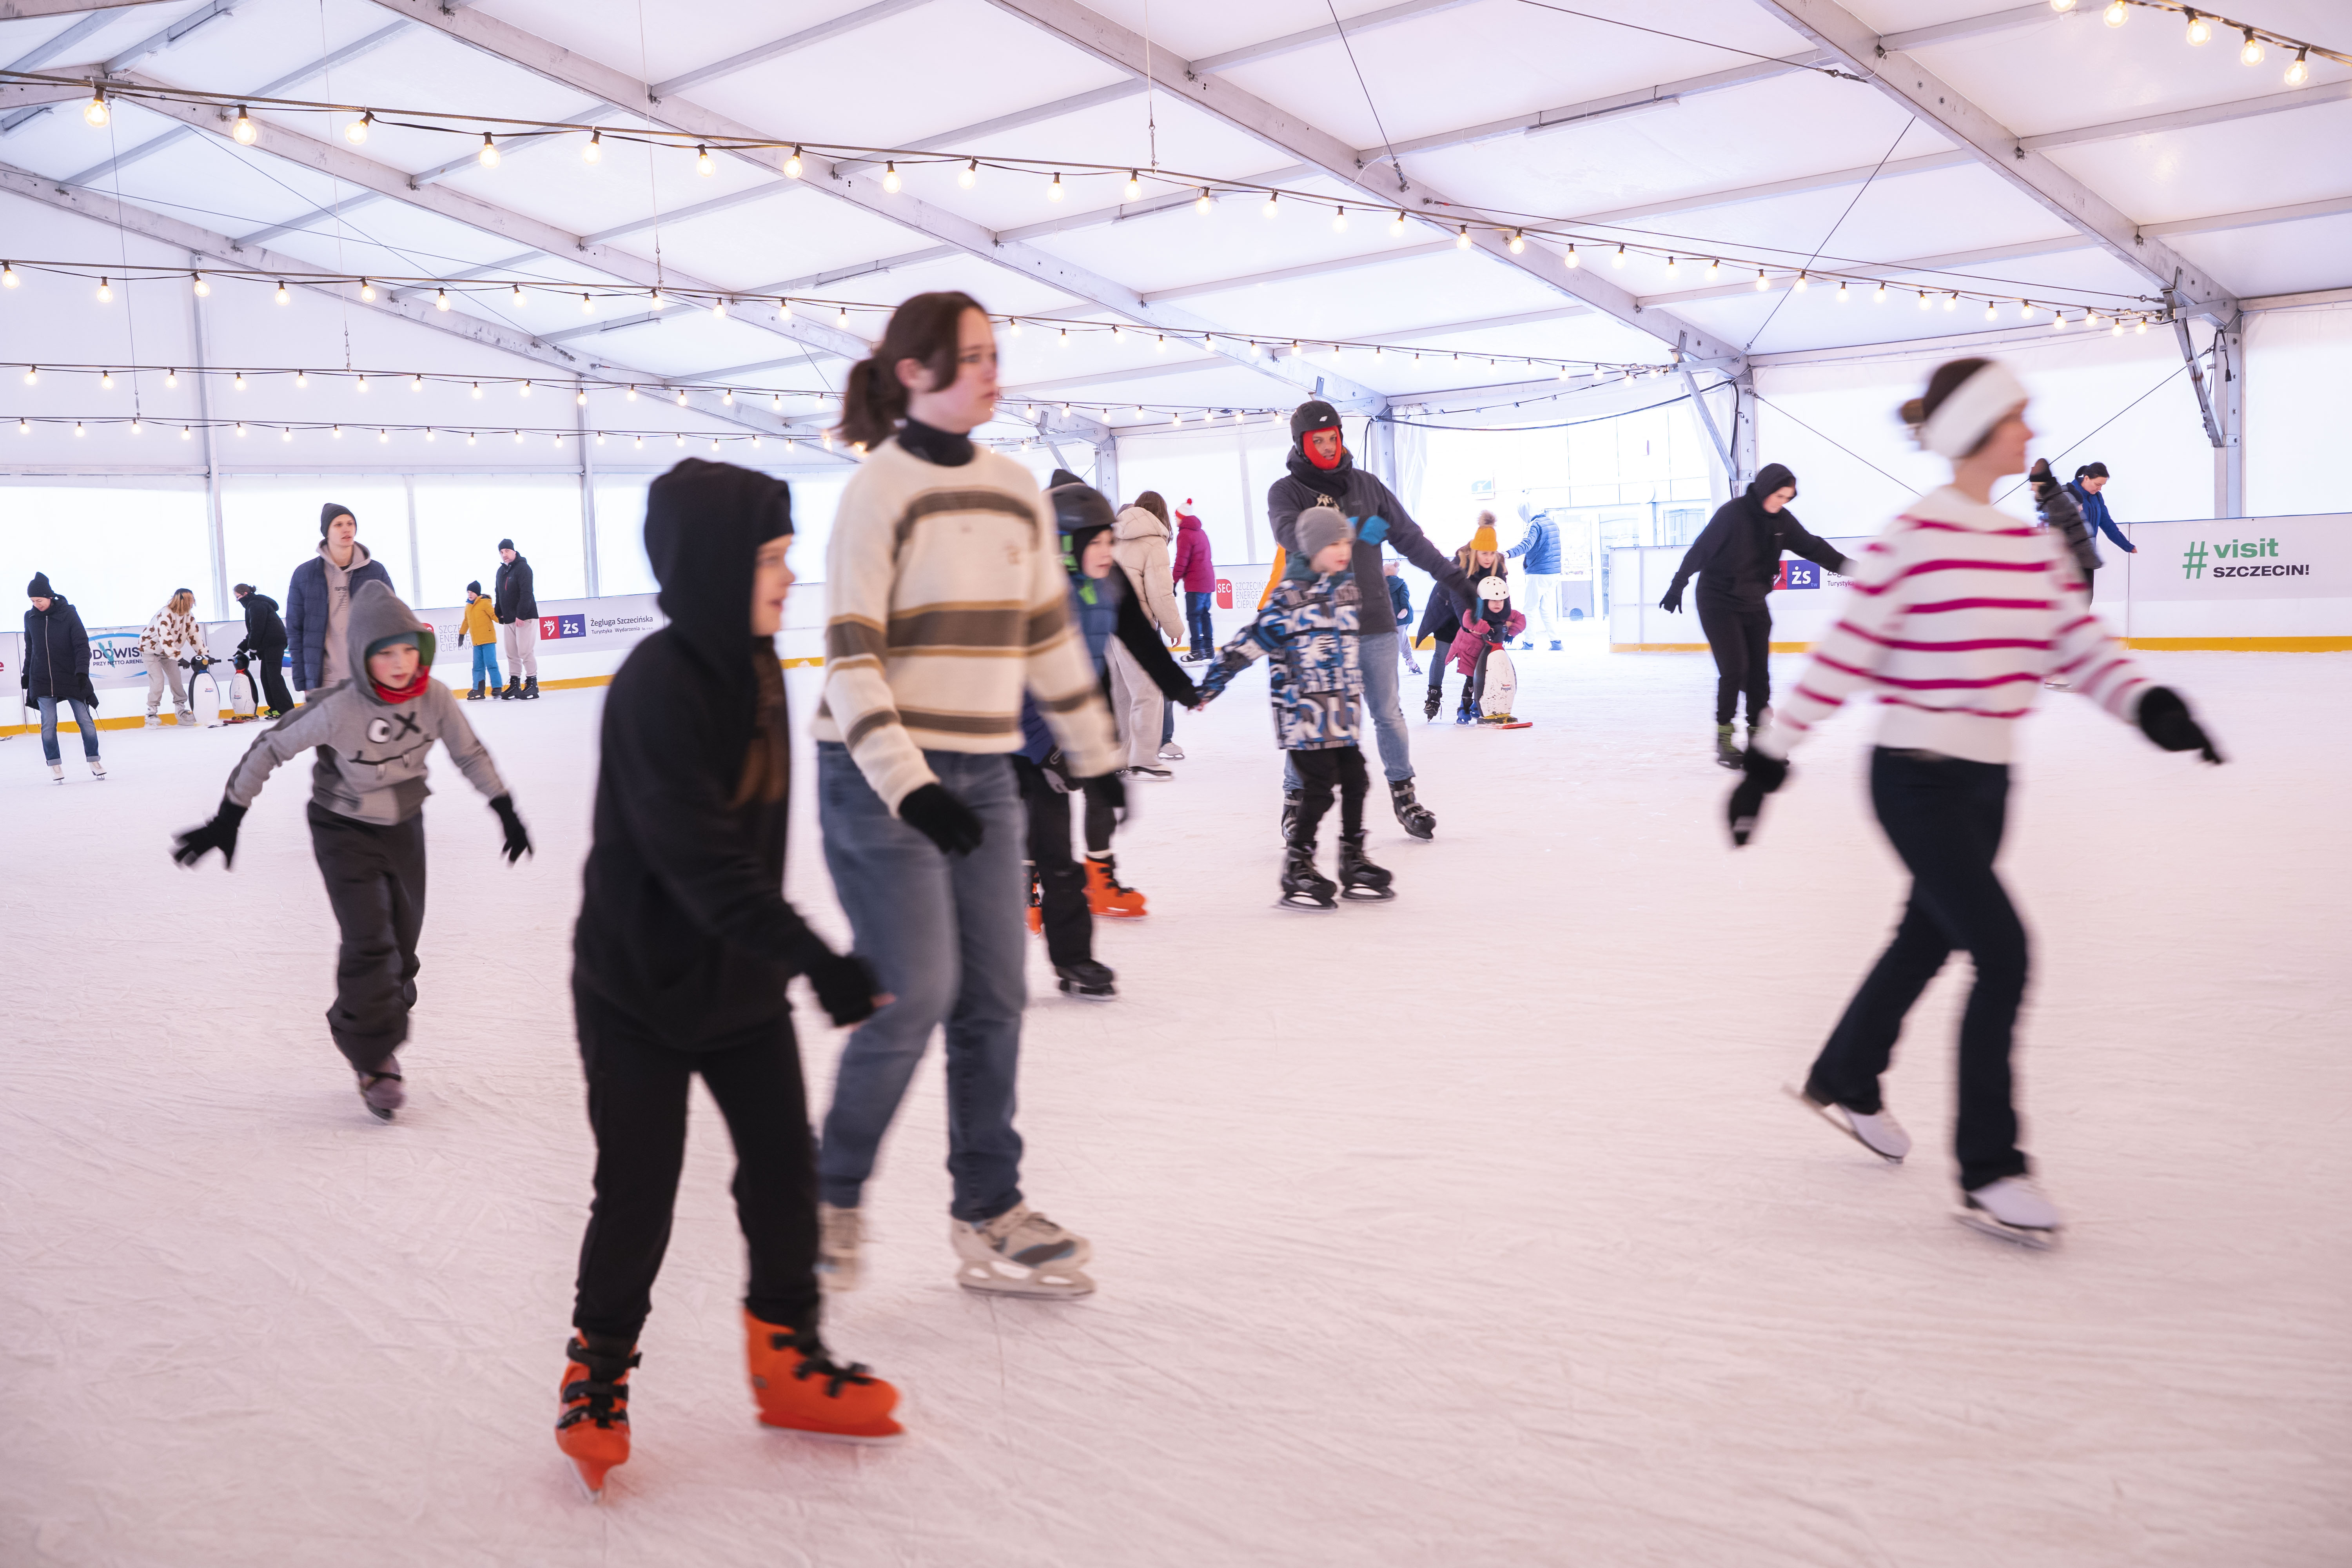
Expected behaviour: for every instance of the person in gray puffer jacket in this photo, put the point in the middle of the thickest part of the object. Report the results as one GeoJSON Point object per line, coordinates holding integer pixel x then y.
{"type": "Point", "coordinates": [371, 733]}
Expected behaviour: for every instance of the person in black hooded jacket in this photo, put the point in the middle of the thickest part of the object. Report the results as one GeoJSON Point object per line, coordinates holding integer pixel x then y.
{"type": "Point", "coordinates": [681, 955]}
{"type": "Point", "coordinates": [265, 646]}
{"type": "Point", "coordinates": [1737, 558]}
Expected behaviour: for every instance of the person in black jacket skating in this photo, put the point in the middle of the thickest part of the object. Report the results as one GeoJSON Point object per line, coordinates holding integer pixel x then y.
{"type": "Point", "coordinates": [518, 611]}
{"type": "Point", "coordinates": [264, 648]}
{"type": "Point", "coordinates": [1321, 472]}
{"type": "Point", "coordinates": [56, 670]}
{"type": "Point", "coordinates": [681, 955]}
{"type": "Point", "coordinates": [1737, 557]}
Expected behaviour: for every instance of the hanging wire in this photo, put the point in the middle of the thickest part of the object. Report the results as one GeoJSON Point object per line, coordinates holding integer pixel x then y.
{"type": "Point", "coordinates": [1785, 294]}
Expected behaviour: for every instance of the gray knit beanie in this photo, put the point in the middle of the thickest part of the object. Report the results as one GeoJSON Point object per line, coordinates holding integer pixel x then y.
{"type": "Point", "coordinates": [1318, 526]}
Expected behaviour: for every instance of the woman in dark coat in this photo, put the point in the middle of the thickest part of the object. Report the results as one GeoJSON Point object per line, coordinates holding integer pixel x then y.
{"type": "Point", "coordinates": [56, 670]}
{"type": "Point", "coordinates": [1737, 557]}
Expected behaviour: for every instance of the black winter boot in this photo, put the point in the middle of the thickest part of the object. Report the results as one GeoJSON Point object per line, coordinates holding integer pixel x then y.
{"type": "Point", "coordinates": [1087, 980]}
{"type": "Point", "coordinates": [1289, 812]}
{"type": "Point", "coordinates": [1304, 887]}
{"type": "Point", "coordinates": [1436, 701]}
{"type": "Point", "coordinates": [530, 687]}
{"type": "Point", "coordinates": [1358, 878]}
{"type": "Point", "coordinates": [1411, 816]}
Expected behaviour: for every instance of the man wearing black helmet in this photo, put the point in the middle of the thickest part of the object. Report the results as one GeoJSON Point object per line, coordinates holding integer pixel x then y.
{"type": "Point", "coordinates": [1321, 472]}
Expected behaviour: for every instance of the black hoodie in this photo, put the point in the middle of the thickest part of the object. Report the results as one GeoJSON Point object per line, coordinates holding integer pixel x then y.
{"type": "Point", "coordinates": [684, 926]}
{"type": "Point", "coordinates": [1737, 554]}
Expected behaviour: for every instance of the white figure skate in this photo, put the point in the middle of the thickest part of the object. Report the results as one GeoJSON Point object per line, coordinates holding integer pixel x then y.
{"type": "Point", "coordinates": [1021, 1253]}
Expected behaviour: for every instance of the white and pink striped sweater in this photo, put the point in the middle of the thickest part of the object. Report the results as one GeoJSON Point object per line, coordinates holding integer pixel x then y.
{"type": "Point", "coordinates": [1957, 614]}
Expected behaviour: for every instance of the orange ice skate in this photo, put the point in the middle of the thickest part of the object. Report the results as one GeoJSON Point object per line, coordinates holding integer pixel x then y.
{"type": "Point", "coordinates": [593, 1430]}
{"type": "Point", "coordinates": [799, 1387]}
{"type": "Point", "coordinates": [1105, 893]}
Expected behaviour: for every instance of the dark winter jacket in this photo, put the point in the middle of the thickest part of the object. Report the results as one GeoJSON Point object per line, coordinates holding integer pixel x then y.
{"type": "Point", "coordinates": [1195, 570]}
{"type": "Point", "coordinates": [1400, 600]}
{"type": "Point", "coordinates": [1115, 613]}
{"type": "Point", "coordinates": [56, 653]}
{"type": "Point", "coordinates": [262, 629]}
{"type": "Point", "coordinates": [1310, 629]}
{"type": "Point", "coordinates": [683, 924]}
{"type": "Point", "coordinates": [1378, 517]}
{"type": "Point", "coordinates": [2054, 504]}
{"type": "Point", "coordinates": [1542, 547]}
{"type": "Point", "coordinates": [1737, 554]}
{"type": "Point", "coordinates": [1478, 632]}
{"type": "Point", "coordinates": [2098, 519]}
{"type": "Point", "coordinates": [512, 594]}
{"type": "Point", "coordinates": [306, 616]}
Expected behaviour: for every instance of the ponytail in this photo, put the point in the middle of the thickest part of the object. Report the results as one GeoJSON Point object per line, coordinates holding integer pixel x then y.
{"type": "Point", "coordinates": [927, 328]}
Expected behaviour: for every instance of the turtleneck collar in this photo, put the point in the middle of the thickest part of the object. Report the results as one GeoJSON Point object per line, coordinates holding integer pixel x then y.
{"type": "Point", "coordinates": [944, 448]}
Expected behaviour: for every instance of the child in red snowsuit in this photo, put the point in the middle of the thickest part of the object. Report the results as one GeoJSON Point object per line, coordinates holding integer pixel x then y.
{"type": "Point", "coordinates": [1490, 624]}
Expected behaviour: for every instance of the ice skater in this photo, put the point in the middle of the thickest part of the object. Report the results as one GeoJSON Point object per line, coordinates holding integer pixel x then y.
{"type": "Point", "coordinates": [1321, 471]}
{"type": "Point", "coordinates": [1107, 610]}
{"type": "Point", "coordinates": [1539, 547]}
{"type": "Point", "coordinates": [1485, 631]}
{"type": "Point", "coordinates": [945, 603]}
{"type": "Point", "coordinates": [1400, 601]}
{"type": "Point", "coordinates": [168, 642]}
{"type": "Point", "coordinates": [1737, 557]}
{"type": "Point", "coordinates": [56, 670]}
{"type": "Point", "coordinates": [1441, 616]}
{"type": "Point", "coordinates": [1956, 612]}
{"type": "Point", "coordinates": [1310, 630]}
{"type": "Point", "coordinates": [367, 821]}
{"type": "Point", "coordinates": [680, 958]}
{"type": "Point", "coordinates": [2088, 490]}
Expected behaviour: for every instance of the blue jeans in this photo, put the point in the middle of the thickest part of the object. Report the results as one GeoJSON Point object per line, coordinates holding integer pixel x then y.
{"type": "Point", "coordinates": [82, 718]}
{"type": "Point", "coordinates": [485, 658]}
{"type": "Point", "coordinates": [947, 938]}
{"type": "Point", "coordinates": [1196, 620]}
{"type": "Point", "coordinates": [1380, 707]}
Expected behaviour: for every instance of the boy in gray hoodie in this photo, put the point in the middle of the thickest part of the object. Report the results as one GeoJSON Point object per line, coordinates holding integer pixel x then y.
{"type": "Point", "coordinates": [371, 732]}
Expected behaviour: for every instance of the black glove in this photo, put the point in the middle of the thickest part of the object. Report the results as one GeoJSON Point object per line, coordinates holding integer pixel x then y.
{"type": "Point", "coordinates": [517, 844]}
{"type": "Point", "coordinates": [1109, 791]}
{"type": "Point", "coordinates": [941, 818]}
{"type": "Point", "coordinates": [2165, 719]}
{"type": "Point", "coordinates": [1672, 602]}
{"type": "Point", "coordinates": [219, 834]}
{"type": "Point", "coordinates": [846, 987]}
{"type": "Point", "coordinates": [1759, 776]}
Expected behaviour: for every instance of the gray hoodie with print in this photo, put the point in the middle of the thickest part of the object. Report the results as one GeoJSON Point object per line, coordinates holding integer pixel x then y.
{"type": "Point", "coordinates": [372, 753]}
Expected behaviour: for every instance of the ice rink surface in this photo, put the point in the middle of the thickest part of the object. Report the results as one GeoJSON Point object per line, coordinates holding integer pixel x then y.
{"type": "Point", "coordinates": [1473, 1228]}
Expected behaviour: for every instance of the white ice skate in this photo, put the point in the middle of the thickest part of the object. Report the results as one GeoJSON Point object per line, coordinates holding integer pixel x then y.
{"type": "Point", "coordinates": [840, 1231]}
{"type": "Point", "coordinates": [1878, 1131]}
{"type": "Point", "coordinates": [1021, 1253]}
{"type": "Point", "coordinates": [2013, 1209]}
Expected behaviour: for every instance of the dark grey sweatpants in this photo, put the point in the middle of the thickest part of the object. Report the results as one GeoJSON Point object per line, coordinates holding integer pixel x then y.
{"type": "Point", "coordinates": [375, 881]}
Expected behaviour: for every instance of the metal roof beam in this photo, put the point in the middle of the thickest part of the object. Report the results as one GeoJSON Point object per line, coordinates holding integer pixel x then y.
{"type": "Point", "coordinates": [847, 23]}
{"type": "Point", "coordinates": [21, 10]}
{"type": "Point", "coordinates": [2188, 119]}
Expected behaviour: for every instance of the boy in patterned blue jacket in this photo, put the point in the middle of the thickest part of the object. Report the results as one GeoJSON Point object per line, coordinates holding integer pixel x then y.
{"type": "Point", "coordinates": [1309, 630]}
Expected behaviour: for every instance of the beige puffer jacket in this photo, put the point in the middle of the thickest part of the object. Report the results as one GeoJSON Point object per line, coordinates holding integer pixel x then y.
{"type": "Point", "coordinates": [171, 636]}
{"type": "Point", "coordinates": [1139, 545]}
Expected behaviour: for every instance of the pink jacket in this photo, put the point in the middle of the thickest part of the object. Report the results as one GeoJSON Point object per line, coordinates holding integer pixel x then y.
{"type": "Point", "coordinates": [1473, 636]}
{"type": "Point", "coordinates": [1195, 571]}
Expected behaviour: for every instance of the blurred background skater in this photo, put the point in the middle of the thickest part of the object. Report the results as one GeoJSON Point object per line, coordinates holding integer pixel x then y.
{"type": "Point", "coordinates": [2056, 507]}
{"type": "Point", "coordinates": [1538, 551]}
{"type": "Point", "coordinates": [1441, 617]}
{"type": "Point", "coordinates": [2089, 489]}
{"type": "Point", "coordinates": [1737, 557]}
{"type": "Point", "coordinates": [517, 608]}
{"type": "Point", "coordinates": [1400, 602]}
{"type": "Point", "coordinates": [1957, 612]}
{"type": "Point", "coordinates": [319, 600]}
{"type": "Point", "coordinates": [481, 625]}
{"type": "Point", "coordinates": [169, 642]}
{"type": "Point", "coordinates": [1196, 575]}
{"type": "Point", "coordinates": [265, 649]}
{"type": "Point", "coordinates": [1139, 544]}
{"type": "Point", "coordinates": [56, 670]}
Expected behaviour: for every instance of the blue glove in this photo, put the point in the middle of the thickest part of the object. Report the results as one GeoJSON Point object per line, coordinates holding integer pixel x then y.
{"type": "Point", "coordinates": [1373, 530]}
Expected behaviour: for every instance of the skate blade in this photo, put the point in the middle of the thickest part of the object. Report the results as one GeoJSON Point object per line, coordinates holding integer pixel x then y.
{"type": "Point", "coordinates": [378, 1112]}
{"type": "Point", "coordinates": [1121, 915]}
{"type": "Point", "coordinates": [1058, 1284]}
{"type": "Point", "coordinates": [1305, 905]}
{"type": "Point", "coordinates": [2019, 1235]}
{"type": "Point", "coordinates": [1369, 895]}
{"type": "Point", "coordinates": [1817, 1109]}
{"type": "Point", "coordinates": [593, 1490]}
{"type": "Point", "coordinates": [827, 1435]}
{"type": "Point", "coordinates": [1075, 995]}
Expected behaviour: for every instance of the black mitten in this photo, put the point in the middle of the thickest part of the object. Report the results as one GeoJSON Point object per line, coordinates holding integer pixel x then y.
{"type": "Point", "coordinates": [846, 987]}
{"type": "Point", "coordinates": [1759, 776]}
{"type": "Point", "coordinates": [2165, 719]}
{"type": "Point", "coordinates": [219, 834]}
{"type": "Point", "coordinates": [1672, 602]}
{"type": "Point", "coordinates": [517, 844]}
{"type": "Point", "coordinates": [941, 818]}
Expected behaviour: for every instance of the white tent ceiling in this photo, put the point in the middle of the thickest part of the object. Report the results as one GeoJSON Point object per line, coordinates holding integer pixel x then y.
{"type": "Point", "coordinates": [2034, 152]}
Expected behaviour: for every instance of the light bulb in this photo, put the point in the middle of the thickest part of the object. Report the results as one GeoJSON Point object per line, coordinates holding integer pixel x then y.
{"type": "Point", "coordinates": [1760, 281]}
{"type": "Point", "coordinates": [9, 277]}
{"type": "Point", "coordinates": [1252, 348]}
{"type": "Point", "coordinates": [2116, 14]}
{"type": "Point", "coordinates": [1713, 271]}
{"type": "Point", "coordinates": [587, 306]}
{"type": "Point", "coordinates": [106, 379]}
{"type": "Point", "coordinates": [336, 431]}
{"type": "Point", "coordinates": [134, 425]}
{"type": "Point", "coordinates": [2118, 331]}
{"type": "Point", "coordinates": [78, 429]}
{"type": "Point", "coordinates": [681, 398]}
{"type": "Point", "coordinates": [1202, 203]}
{"type": "Point", "coordinates": [1339, 221]}
{"type": "Point", "coordinates": [1273, 207]}
{"type": "Point", "coordinates": [302, 381]}
{"type": "Point", "coordinates": [1617, 259]}
{"type": "Point", "coordinates": [356, 132]}
{"type": "Point", "coordinates": [1396, 225]}
{"type": "Point", "coordinates": [440, 299]}
{"type": "Point", "coordinates": [287, 433]}
{"type": "Point", "coordinates": [1572, 259]}
{"type": "Point", "coordinates": [1461, 238]}
{"type": "Point", "coordinates": [1518, 243]}
{"type": "Point", "coordinates": [1134, 186]}
{"type": "Point", "coordinates": [719, 308]}
{"type": "Point", "coordinates": [2253, 53]}
{"type": "Point", "coordinates": [581, 397]}
{"type": "Point", "coordinates": [1804, 282]}
{"type": "Point", "coordinates": [239, 381]}
{"type": "Point", "coordinates": [594, 151]}
{"type": "Point", "coordinates": [382, 436]}
{"type": "Point", "coordinates": [105, 292]}
{"type": "Point", "coordinates": [240, 427]}
{"type": "Point", "coordinates": [2199, 30]}
{"type": "Point", "coordinates": [367, 291]}
{"type": "Point", "coordinates": [478, 389]}
{"type": "Point", "coordinates": [360, 386]}
{"type": "Point", "coordinates": [2298, 72]}
{"type": "Point", "coordinates": [1673, 269]}
{"type": "Point", "coordinates": [706, 167]}
{"type": "Point", "coordinates": [24, 426]}
{"type": "Point", "coordinates": [971, 175]}
{"type": "Point", "coordinates": [1988, 311]}
{"type": "Point", "coordinates": [1054, 190]}
{"type": "Point", "coordinates": [1952, 301]}
{"type": "Point", "coordinates": [1841, 294]}
{"type": "Point", "coordinates": [489, 153]}
{"type": "Point", "coordinates": [244, 129]}
{"type": "Point", "coordinates": [792, 165]}
{"type": "Point", "coordinates": [1923, 299]}
{"type": "Point", "coordinates": [517, 435]}
{"type": "Point", "coordinates": [282, 295]}
{"type": "Point", "coordinates": [525, 389]}
{"type": "Point", "coordinates": [94, 112]}
{"type": "Point", "coordinates": [727, 396]}
{"type": "Point", "coordinates": [416, 383]}
{"type": "Point", "coordinates": [2141, 326]}
{"type": "Point", "coordinates": [171, 378]}
{"type": "Point", "coordinates": [1878, 295]}
{"type": "Point", "coordinates": [2061, 5]}
{"type": "Point", "coordinates": [2025, 309]}
{"type": "Point", "coordinates": [890, 181]}
{"type": "Point", "coordinates": [633, 394]}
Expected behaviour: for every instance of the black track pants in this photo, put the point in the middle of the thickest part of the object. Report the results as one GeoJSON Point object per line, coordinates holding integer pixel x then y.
{"type": "Point", "coordinates": [1741, 639]}
{"type": "Point", "coordinates": [269, 667]}
{"type": "Point", "coordinates": [636, 1104]}
{"type": "Point", "coordinates": [1944, 816]}
{"type": "Point", "coordinates": [1061, 881]}
{"type": "Point", "coordinates": [376, 881]}
{"type": "Point", "coordinates": [1320, 771]}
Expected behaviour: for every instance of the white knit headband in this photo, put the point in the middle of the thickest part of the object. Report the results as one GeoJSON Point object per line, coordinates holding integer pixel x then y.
{"type": "Point", "coordinates": [1969, 414]}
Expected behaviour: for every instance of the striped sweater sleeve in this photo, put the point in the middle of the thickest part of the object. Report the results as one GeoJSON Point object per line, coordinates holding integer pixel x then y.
{"type": "Point", "coordinates": [861, 570]}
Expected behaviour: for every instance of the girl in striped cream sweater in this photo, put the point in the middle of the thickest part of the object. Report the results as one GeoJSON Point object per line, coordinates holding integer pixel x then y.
{"type": "Point", "coordinates": [1957, 614]}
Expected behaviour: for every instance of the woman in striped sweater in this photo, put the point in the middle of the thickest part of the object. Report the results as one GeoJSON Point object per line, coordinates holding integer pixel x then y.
{"type": "Point", "coordinates": [1957, 614]}
{"type": "Point", "coordinates": [945, 603]}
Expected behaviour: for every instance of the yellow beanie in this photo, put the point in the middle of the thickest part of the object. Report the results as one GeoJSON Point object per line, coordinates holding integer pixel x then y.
{"type": "Point", "coordinates": [1484, 539]}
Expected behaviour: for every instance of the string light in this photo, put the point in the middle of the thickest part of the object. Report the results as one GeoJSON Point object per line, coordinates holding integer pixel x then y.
{"type": "Point", "coordinates": [356, 132]}
{"type": "Point", "coordinates": [244, 131]}
{"type": "Point", "coordinates": [1617, 259]}
{"type": "Point", "coordinates": [1134, 186]}
{"type": "Point", "coordinates": [1988, 311]}
{"type": "Point", "coordinates": [2025, 309]}
{"type": "Point", "coordinates": [106, 379]}
{"type": "Point", "coordinates": [94, 112]}
{"type": "Point", "coordinates": [282, 296]}
{"type": "Point", "coordinates": [1339, 221]}
{"type": "Point", "coordinates": [518, 296]}
{"type": "Point", "coordinates": [302, 381]}
{"type": "Point", "coordinates": [1054, 190]}
{"type": "Point", "coordinates": [440, 299]}
{"type": "Point", "coordinates": [792, 172]}
{"type": "Point", "coordinates": [1952, 300]}
{"type": "Point", "coordinates": [1759, 278]}
{"type": "Point", "coordinates": [719, 308]}
{"type": "Point", "coordinates": [172, 378]}
{"type": "Point", "coordinates": [240, 381]}
{"type": "Point", "coordinates": [1273, 204]}
{"type": "Point", "coordinates": [367, 292]}
{"type": "Point", "coordinates": [1396, 225]}
{"type": "Point", "coordinates": [1519, 242]}
{"type": "Point", "coordinates": [2116, 12]}
{"type": "Point", "coordinates": [2199, 30]}
{"type": "Point", "coordinates": [361, 384]}
{"type": "Point", "coordinates": [2252, 54]}
{"type": "Point", "coordinates": [970, 174]}
{"type": "Point", "coordinates": [489, 153]}
{"type": "Point", "coordinates": [1878, 295]}
{"type": "Point", "coordinates": [1804, 282]}
{"type": "Point", "coordinates": [1202, 203]}
{"type": "Point", "coordinates": [1841, 293]}
{"type": "Point", "coordinates": [1923, 299]}
{"type": "Point", "coordinates": [1673, 269]}
{"type": "Point", "coordinates": [105, 292]}
{"type": "Point", "coordinates": [706, 167]}
{"type": "Point", "coordinates": [2299, 72]}
{"type": "Point", "coordinates": [1573, 260]}
{"type": "Point", "coordinates": [1715, 271]}
{"type": "Point", "coordinates": [594, 151]}
{"type": "Point", "coordinates": [9, 276]}
{"type": "Point", "coordinates": [1461, 240]}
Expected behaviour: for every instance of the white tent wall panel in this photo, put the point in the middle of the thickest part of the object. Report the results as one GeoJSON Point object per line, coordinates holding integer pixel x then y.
{"type": "Point", "coordinates": [684, 36]}
{"type": "Point", "coordinates": [2298, 407]}
{"type": "Point", "coordinates": [117, 549]}
{"type": "Point", "coordinates": [1226, 472]}
{"type": "Point", "coordinates": [270, 524]}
